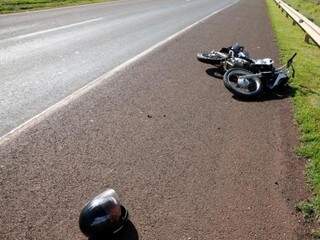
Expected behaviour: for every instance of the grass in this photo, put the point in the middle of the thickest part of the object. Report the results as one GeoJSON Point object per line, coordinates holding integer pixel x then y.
{"type": "Point", "coordinates": [10, 6]}
{"type": "Point", "coordinates": [306, 208]}
{"type": "Point", "coordinates": [315, 234]}
{"type": "Point", "coordinates": [306, 97]}
{"type": "Point", "coordinates": [309, 8]}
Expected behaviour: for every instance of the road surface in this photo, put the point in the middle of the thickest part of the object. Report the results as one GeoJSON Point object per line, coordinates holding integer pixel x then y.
{"type": "Point", "coordinates": [188, 160]}
{"type": "Point", "coordinates": [47, 55]}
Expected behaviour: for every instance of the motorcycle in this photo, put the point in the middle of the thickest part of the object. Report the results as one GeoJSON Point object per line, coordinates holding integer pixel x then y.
{"type": "Point", "coordinates": [226, 58]}
{"type": "Point", "coordinates": [260, 75]}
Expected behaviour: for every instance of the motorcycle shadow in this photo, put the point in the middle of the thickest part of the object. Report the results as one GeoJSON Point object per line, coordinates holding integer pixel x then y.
{"type": "Point", "coordinates": [129, 232]}
{"type": "Point", "coordinates": [279, 94]}
{"type": "Point", "coordinates": [215, 72]}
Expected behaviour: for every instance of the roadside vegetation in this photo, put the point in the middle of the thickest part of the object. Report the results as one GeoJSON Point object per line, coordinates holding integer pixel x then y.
{"type": "Point", "coordinates": [10, 6]}
{"type": "Point", "coordinates": [306, 90]}
{"type": "Point", "coordinates": [309, 8]}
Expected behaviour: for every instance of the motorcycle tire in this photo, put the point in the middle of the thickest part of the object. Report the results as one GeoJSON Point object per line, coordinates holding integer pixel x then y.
{"type": "Point", "coordinates": [211, 58]}
{"type": "Point", "coordinates": [250, 88]}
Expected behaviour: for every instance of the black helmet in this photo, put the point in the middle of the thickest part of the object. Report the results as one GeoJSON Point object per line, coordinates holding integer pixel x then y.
{"type": "Point", "coordinates": [103, 216]}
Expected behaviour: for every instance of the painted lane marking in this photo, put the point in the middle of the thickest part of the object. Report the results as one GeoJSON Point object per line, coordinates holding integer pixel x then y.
{"type": "Point", "coordinates": [52, 30]}
{"type": "Point", "coordinates": [47, 112]}
{"type": "Point", "coordinates": [73, 7]}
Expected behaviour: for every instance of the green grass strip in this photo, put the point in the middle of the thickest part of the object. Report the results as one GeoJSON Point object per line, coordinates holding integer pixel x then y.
{"type": "Point", "coordinates": [11, 6]}
{"type": "Point", "coordinates": [306, 91]}
{"type": "Point", "coordinates": [309, 8]}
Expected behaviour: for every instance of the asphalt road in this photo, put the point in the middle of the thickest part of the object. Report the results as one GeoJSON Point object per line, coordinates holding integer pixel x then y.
{"type": "Point", "coordinates": [188, 160]}
{"type": "Point", "coordinates": [47, 55]}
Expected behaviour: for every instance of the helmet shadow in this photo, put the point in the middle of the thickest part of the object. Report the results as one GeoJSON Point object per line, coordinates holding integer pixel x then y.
{"type": "Point", "coordinates": [129, 232]}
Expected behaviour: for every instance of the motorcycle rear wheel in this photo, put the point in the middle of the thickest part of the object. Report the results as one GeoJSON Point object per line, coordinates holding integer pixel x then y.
{"type": "Point", "coordinates": [247, 88]}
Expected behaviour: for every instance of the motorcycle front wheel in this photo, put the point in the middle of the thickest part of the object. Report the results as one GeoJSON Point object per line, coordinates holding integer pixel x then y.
{"type": "Point", "coordinates": [213, 58]}
{"type": "Point", "coordinates": [235, 81]}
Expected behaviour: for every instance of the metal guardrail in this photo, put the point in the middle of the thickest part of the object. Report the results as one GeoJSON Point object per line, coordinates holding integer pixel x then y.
{"type": "Point", "coordinates": [311, 29]}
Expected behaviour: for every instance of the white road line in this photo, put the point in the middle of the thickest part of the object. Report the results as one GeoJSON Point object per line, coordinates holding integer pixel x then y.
{"type": "Point", "coordinates": [41, 116]}
{"type": "Point", "coordinates": [109, 3]}
{"type": "Point", "coordinates": [51, 30]}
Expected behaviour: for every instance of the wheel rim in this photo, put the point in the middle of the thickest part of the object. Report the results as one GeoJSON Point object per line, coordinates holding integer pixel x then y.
{"type": "Point", "coordinates": [213, 56]}
{"type": "Point", "coordinates": [247, 86]}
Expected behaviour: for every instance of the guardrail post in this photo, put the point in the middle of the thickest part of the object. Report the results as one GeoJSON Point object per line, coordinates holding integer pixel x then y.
{"type": "Point", "coordinates": [307, 38]}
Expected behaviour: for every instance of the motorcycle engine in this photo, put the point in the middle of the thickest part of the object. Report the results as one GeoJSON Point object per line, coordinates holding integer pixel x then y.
{"type": "Point", "coordinates": [262, 65]}
{"type": "Point", "coordinates": [264, 61]}
{"type": "Point", "coordinates": [239, 62]}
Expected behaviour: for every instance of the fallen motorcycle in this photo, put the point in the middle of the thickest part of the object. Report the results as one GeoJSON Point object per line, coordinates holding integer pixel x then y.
{"type": "Point", "coordinates": [261, 75]}
{"type": "Point", "coordinates": [226, 58]}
